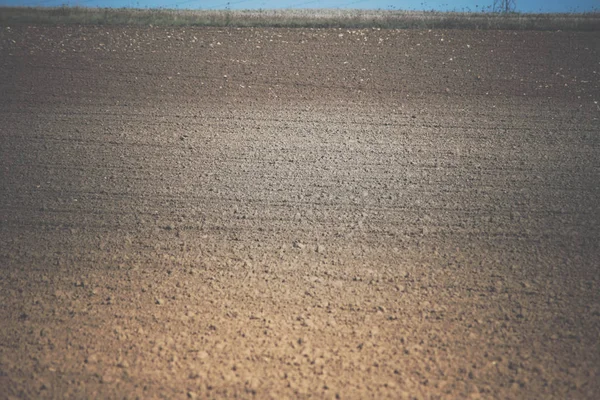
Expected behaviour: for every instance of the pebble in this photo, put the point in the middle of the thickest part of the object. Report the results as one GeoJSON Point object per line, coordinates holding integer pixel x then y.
{"type": "Point", "coordinates": [91, 359]}
{"type": "Point", "coordinates": [309, 323]}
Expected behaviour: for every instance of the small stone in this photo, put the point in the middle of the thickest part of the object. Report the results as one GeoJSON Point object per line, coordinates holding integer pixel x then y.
{"type": "Point", "coordinates": [194, 375]}
{"type": "Point", "coordinates": [91, 359]}
{"type": "Point", "coordinates": [192, 395]}
{"type": "Point", "coordinates": [309, 323]}
{"type": "Point", "coordinates": [159, 301]}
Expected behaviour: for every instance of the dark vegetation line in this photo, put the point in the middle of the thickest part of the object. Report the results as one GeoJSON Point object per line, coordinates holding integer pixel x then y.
{"type": "Point", "coordinates": [301, 18]}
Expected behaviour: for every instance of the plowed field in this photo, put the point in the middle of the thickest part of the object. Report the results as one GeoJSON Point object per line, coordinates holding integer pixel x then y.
{"type": "Point", "coordinates": [295, 213]}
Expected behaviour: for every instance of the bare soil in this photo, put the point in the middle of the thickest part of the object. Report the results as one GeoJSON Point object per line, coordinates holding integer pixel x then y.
{"type": "Point", "coordinates": [295, 213]}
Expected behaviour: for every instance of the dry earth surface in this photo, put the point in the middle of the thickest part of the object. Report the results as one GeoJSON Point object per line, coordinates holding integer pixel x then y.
{"type": "Point", "coordinates": [276, 213]}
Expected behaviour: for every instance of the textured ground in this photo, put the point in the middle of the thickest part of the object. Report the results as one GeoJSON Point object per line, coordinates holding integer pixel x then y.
{"type": "Point", "coordinates": [279, 213]}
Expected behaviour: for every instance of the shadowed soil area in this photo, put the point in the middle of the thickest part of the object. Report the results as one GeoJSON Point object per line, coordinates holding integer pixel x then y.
{"type": "Point", "coordinates": [299, 213]}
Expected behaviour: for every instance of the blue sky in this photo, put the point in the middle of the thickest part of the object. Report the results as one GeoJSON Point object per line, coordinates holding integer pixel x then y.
{"type": "Point", "coordinates": [442, 5]}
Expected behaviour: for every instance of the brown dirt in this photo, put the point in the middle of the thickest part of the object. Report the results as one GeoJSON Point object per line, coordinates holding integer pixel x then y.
{"type": "Point", "coordinates": [277, 213]}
